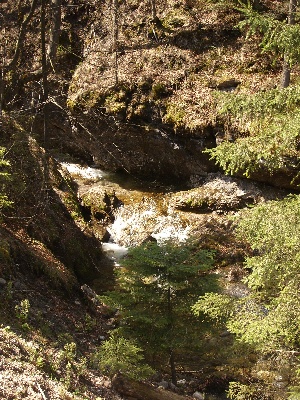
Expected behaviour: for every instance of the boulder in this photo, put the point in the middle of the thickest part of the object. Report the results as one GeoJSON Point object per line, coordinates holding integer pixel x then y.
{"type": "Point", "coordinates": [198, 396]}
{"type": "Point", "coordinates": [223, 193]}
{"type": "Point", "coordinates": [142, 391]}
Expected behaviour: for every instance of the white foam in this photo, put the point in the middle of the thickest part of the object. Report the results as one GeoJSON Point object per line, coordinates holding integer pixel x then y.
{"type": "Point", "coordinates": [114, 251]}
{"type": "Point", "coordinates": [84, 172]}
{"type": "Point", "coordinates": [172, 232]}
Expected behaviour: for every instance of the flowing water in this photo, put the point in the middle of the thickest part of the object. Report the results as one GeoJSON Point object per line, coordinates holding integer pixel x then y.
{"type": "Point", "coordinates": [146, 213]}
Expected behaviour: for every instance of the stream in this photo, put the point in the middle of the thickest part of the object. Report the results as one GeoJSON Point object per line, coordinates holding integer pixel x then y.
{"type": "Point", "coordinates": [148, 211]}
{"type": "Point", "coordinates": [144, 211]}
{"type": "Point", "coordinates": [125, 212]}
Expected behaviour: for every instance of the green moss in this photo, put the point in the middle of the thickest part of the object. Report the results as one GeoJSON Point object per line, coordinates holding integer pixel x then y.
{"type": "Point", "coordinates": [114, 105]}
{"type": "Point", "coordinates": [194, 202]}
{"type": "Point", "coordinates": [175, 114]}
{"type": "Point", "coordinates": [71, 203]}
{"type": "Point", "coordinates": [175, 18]}
{"type": "Point", "coordinates": [4, 252]}
{"type": "Point", "coordinates": [71, 104]}
{"type": "Point", "coordinates": [158, 90]}
{"type": "Point", "coordinates": [87, 100]}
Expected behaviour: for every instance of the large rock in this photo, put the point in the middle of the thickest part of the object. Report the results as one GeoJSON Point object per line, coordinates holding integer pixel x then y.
{"type": "Point", "coordinates": [144, 152]}
{"type": "Point", "coordinates": [223, 193]}
{"type": "Point", "coordinates": [142, 391]}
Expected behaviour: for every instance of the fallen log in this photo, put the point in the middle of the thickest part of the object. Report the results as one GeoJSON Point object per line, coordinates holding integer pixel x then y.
{"type": "Point", "coordinates": [142, 391]}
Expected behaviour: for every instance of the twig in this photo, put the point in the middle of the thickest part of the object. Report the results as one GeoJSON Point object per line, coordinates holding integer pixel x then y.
{"type": "Point", "coordinates": [41, 391]}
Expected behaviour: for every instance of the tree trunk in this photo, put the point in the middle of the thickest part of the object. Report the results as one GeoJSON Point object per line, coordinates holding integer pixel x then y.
{"type": "Point", "coordinates": [3, 51]}
{"type": "Point", "coordinates": [21, 36]}
{"type": "Point", "coordinates": [153, 10]}
{"type": "Point", "coordinates": [54, 31]}
{"type": "Point", "coordinates": [44, 68]}
{"type": "Point", "coordinates": [286, 73]}
{"type": "Point", "coordinates": [116, 37]}
{"type": "Point", "coordinates": [170, 327]}
{"type": "Point", "coordinates": [1, 89]}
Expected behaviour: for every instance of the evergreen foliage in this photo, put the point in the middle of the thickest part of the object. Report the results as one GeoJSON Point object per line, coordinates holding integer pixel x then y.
{"type": "Point", "coordinates": [269, 317]}
{"type": "Point", "coordinates": [4, 176]}
{"type": "Point", "coordinates": [268, 123]}
{"type": "Point", "coordinates": [156, 286]}
{"type": "Point", "coordinates": [120, 355]}
{"type": "Point", "coordinates": [278, 37]}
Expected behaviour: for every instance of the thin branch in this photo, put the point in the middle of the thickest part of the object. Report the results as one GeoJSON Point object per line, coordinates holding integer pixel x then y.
{"type": "Point", "coordinates": [41, 391]}
{"type": "Point", "coordinates": [21, 36]}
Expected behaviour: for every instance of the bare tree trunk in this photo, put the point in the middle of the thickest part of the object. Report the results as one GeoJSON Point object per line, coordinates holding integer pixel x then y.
{"type": "Point", "coordinates": [286, 73]}
{"type": "Point", "coordinates": [54, 31]}
{"type": "Point", "coordinates": [1, 89]}
{"type": "Point", "coordinates": [21, 36]}
{"type": "Point", "coordinates": [116, 37]}
{"type": "Point", "coordinates": [10, 66]}
{"type": "Point", "coordinates": [3, 50]}
{"type": "Point", "coordinates": [153, 10]}
{"type": "Point", "coordinates": [44, 68]}
{"type": "Point", "coordinates": [170, 327]}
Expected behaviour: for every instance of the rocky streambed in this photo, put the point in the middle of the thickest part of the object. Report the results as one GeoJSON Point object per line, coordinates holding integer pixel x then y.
{"type": "Point", "coordinates": [127, 211]}
{"type": "Point", "coordinates": [123, 211]}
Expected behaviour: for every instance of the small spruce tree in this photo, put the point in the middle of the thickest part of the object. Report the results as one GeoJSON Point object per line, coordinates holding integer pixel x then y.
{"type": "Point", "coordinates": [268, 318]}
{"type": "Point", "coordinates": [120, 355]}
{"type": "Point", "coordinates": [279, 38]}
{"type": "Point", "coordinates": [156, 286]}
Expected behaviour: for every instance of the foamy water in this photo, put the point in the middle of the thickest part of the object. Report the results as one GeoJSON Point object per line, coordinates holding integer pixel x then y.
{"type": "Point", "coordinates": [88, 173]}
{"type": "Point", "coordinates": [133, 225]}
{"type": "Point", "coordinates": [114, 251]}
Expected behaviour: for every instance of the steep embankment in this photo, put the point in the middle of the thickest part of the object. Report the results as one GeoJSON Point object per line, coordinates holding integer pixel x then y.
{"type": "Point", "coordinates": [142, 94]}
{"type": "Point", "coordinates": [152, 106]}
{"type": "Point", "coordinates": [49, 325]}
{"type": "Point", "coordinates": [45, 209]}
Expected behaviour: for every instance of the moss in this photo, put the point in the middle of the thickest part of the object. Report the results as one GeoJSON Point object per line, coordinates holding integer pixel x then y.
{"type": "Point", "coordinates": [194, 202]}
{"type": "Point", "coordinates": [71, 104]}
{"type": "Point", "coordinates": [113, 105]}
{"type": "Point", "coordinates": [71, 203]}
{"type": "Point", "coordinates": [158, 90]}
{"type": "Point", "coordinates": [86, 100]}
{"type": "Point", "coordinates": [92, 98]}
{"type": "Point", "coordinates": [175, 114]}
{"type": "Point", "coordinates": [115, 99]}
{"type": "Point", "coordinates": [175, 18]}
{"type": "Point", "coordinates": [5, 257]}
{"type": "Point", "coordinates": [140, 111]}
